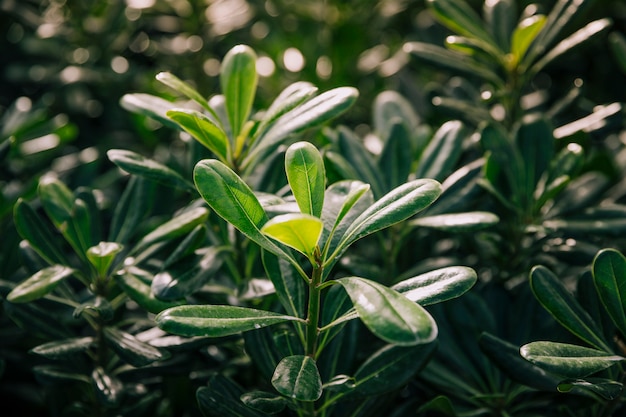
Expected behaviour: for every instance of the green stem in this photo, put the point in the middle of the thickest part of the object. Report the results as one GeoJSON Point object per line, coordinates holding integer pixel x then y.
{"type": "Point", "coordinates": [312, 321]}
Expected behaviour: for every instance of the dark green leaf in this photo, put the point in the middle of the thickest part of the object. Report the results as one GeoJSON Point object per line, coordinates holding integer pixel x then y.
{"type": "Point", "coordinates": [216, 320]}
{"type": "Point", "coordinates": [221, 398]}
{"type": "Point", "coordinates": [396, 157]}
{"type": "Point", "coordinates": [133, 163]}
{"type": "Point", "coordinates": [617, 43]}
{"type": "Point", "coordinates": [132, 350]}
{"type": "Point", "coordinates": [288, 283]}
{"type": "Point", "coordinates": [606, 388]}
{"type": "Point", "coordinates": [39, 284]}
{"type": "Point", "coordinates": [108, 388]}
{"type": "Point", "coordinates": [63, 348]}
{"type": "Point", "coordinates": [141, 292]}
{"type": "Point", "coordinates": [570, 361]}
{"type": "Point", "coordinates": [133, 207]}
{"type": "Point", "coordinates": [264, 401]}
{"type": "Point", "coordinates": [389, 109]}
{"type": "Point", "coordinates": [562, 305]}
{"type": "Point", "coordinates": [457, 222]}
{"type": "Point", "coordinates": [609, 277]}
{"type": "Point", "coordinates": [297, 377]}
{"type": "Point", "coordinates": [50, 374]}
{"type": "Point", "coordinates": [437, 286]}
{"type": "Point", "coordinates": [443, 151]}
{"type": "Point", "coordinates": [388, 314]}
{"type": "Point", "coordinates": [500, 16]}
{"type": "Point", "coordinates": [360, 162]}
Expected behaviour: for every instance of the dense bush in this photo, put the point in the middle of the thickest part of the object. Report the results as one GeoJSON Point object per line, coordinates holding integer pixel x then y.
{"type": "Point", "coordinates": [199, 199]}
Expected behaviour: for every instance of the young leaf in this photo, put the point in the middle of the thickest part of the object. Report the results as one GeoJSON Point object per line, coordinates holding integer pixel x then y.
{"type": "Point", "coordinates": [133, 163]}
{"type": "Point", "coordinates": [298, 231]}
{"type": "Point", "coordinates": [524, 34]}
{"type": "Point", "coordinates": [39, 284]}
{"type": "Point", "coordinates": [305, 172]}
{"type": "Point", "coordinates": [437, 286]}
{"type": "Point", "coordinates": [238, 79]}
{"type": "Point", "coordinates": [297, 377]}
{"type": "Point", "coordinates": [555, 298]}
{"type": "Point", "coordinates": [567, 360]}
{"type": "Point", "coordinates": [102, 255]}
{"type": "Point", "coordinates": [388, 314]}
{"type": "Point", "coordinates": [204, 130]}
{"type": "Point", "coordinates": [396, 206]}
{"type": "Point", "coordinates": [216, 320]}
{"type": "Point", "coordinates": [234, 201]}
{"type": "Point", "coordinates": [609, 277]}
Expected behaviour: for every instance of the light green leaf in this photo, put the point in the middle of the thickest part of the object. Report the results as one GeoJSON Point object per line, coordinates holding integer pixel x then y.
{"type": "Point", "coordinates": [238, 79]}
{"type": "Point", "coordinates": [204, 130]}
{"type": "Point", "coordinates": [102, 255]}
{"type": "Point", "coordinates": [296, 230]}
{"type": "Point", "coordinates": [388, 314]}
{"type": "Point", "coordinates": [609, 277]}
{"type": "Point", "coordinates": [394, 207]}
{"type": "Point", "coordinates": [562, 305]}
{"type": "Point", "coordinates": [524, 34]}
{"type": "Point", "coordinates": [305, 172]}
{"type": "Point", "coordinates": [297, 377]}
{"type": "Point", "coordinates": [39, 284]}
{"type": "Point", "coordinates": [567, 360]}
{"type": "Point", "coordinates": [437, 286]}
{"type": "Point", "coordinates": [136, 164]}
{"type": "Point", "coordinates": [216, 320]}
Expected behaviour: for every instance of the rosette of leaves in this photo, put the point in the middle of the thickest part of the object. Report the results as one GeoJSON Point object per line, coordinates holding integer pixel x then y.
{"type": "Point", "coordinates": [72, 293]}
{"type": "Point", "coordinates": [310, 362]}
{"type": "Point", "coordinates": [226, 124]}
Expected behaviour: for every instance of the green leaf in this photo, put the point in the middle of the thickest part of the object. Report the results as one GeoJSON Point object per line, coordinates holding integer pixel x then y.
{"type": "Point", "coordinates": [140, 291]}
{"type": "Point", "coordinates": [500, 16]}
{"type": "Point", "coordinates": [361, 164]}
{"type": "Point", "coordinates": [238, 79]}
{"type": "Point", "coordinates": [524, 34]}
{"type": "Point", "coordinates": [391, 108]}
{"type": "Point", "coordinates": [182, 87]}
{"type": "Point", "coordinates": [51, 374]}
{"type": "Point", "coordinates": [388, 314]}
{"type": "Point", "coordinates": [297, 377]}
{"type": "Point", "coordinates": [451, 59]}
{"type": "Point", "coordinates": [178, 226]}
{"type": "Point", "coordinates": [606, 388]}
{"type": "Point", "coordinates": [443, 151]}
{"type": "Point", "coordinates": [570, 361]}
{"type": "Point", "coordinates": [391, 367]}
{"type": "Point", "coordinates": [609, 277]}
{"type": "Point", "coordinates": [66, 348]}
{"type": "Point", "coordinates": [459, 16]}
{"type": "Point", "coordinates": [311, 113]}
{"type": "Point", "coordinates": [394, 207]}
{"type": "Point", "coordinates": [298, 231]}
{"type": "Point", "coordinates": [396, 157]}
{"type": "Point", "coordinates": [288, 284]}
{"type": "Point", "coordinates": [437, 286]}
{"type": "Point", "coordinates": [39, 284]}
{"type": "Point", "coordinates": [149, 105]}
{"type": "Point", "coordinates": [133, 163]}
{"type": "Point", "coordinates": [102, 255]}
{"type": "Point", "coordinates": [457, 222]}
{"type": "Point", "coordinates": [108, 388]}
{"type": "Point", "coordinates": [562, 305]}
{"type": "Point", "coordinates": [617, 43]}
{"type": "Point", "coordinates": [216, 320]}
{"type": "Point", "coordinates": [596, 120]}
{"type": "Point", "coordinates": [131, 209]}
{"type": "Point", "coordinates": [204, 130]}
{"type": "Point", "coordinates": [39, 234]}
{"type": "Point", "coordinates": [305, 172]}
{"type": "Point", "coordinates": [292, 96]}
{"type": "Point", "coordinates": [221, 398]}
{"type": "Point", "coordinates": [264, 401]}
{"type": "Point", "coordinates": [234, 201]}
{"type": "Point", "coordinates": [132, 350]}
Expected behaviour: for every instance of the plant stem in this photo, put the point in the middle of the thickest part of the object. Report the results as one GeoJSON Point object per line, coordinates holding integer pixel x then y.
{"type": "Point", "coordinates": [312, 320]}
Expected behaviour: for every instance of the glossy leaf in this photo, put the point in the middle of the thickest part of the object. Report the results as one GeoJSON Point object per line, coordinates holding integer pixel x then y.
{"type": "Point", "coordinates": [292, 96]}
{"type": "Point", "coordinates": [40, 284]}
{"type": "Point", "coordinates": [391, 367]}
{"type": "Point", "coordinates": [221, 398]}
{"type": "Point", "coordinates": [178, 226]}
{"type": "Point", "coordinates": [443, 151]}
{"type": "Point", "coordinates": [606, 388]}
{"type": "Point", "coordinates": [204, 130]}
{"type": "Point", "coordinates": [238, 79]}
{"type": "Point", "coordinates": [131, 209]}
{"type": "Point", "coordinates": [288, 284]}
{"type": "Point", "coordinates": [596, 120]}
{"type": "Point", "coordinates": [500, 16]}
{"type": "Point", "coordinates": [388, 314]}
{"type": "Point", "coordinates": [567, 360]}
{"type": "Point", "coordinates": [562, 305]}
{"type": "Point", "coordinates": [102, 255]}
{"type": "Point", "coordinates": [298, 231]}
{"type": "Point", "coordinates": [396, 157]}
{"type": "Point", "coordinates": [132, 350]}
{"type": "Point", "coordinates": [609, 277]}
{"type": "Point", "coordinates": [264, 401]}
{"type": "Point", "coordinates": [305, 172]}
{"type": "Point", "coordinates": [140, 291]}
{"type": "Point", "coordinates": [39, 234]}
{"type": "Point", "coordinates": [361, 164]}
{"type": "Point", "coordinates": [63, 348]}
{"type": "Point", "coordinates": [182, 87]}
{"type": "Point", "coordinates": [391, 108]}
{"type": "Point", "coordinates": [394, 207]}
{"type": "Point", "coordinates": [108, 388]}
{"type": "Point", "coordinates": [149, 105]}
{"type": "Point", "coordinates": [458, 222]}
{"type": "Point", "coordinates": [437, 286]}
{"type": "Point", "coordinates": [216, 320]}
{"type": "Point", "coordinates": [234, 201]}
{"type": "Point", "coordinates": [133, 163]}
{"type": "Point", "coordinates": [311, 113]}
{"type": "Point", "coordinates": [297, 377]}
